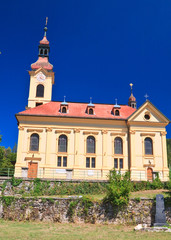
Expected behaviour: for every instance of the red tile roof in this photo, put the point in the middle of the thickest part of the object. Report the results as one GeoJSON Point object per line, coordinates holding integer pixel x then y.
{"type": "Point", "coordinates": [79, 110]}
{"type": "Point", "coordinates": [44, 41]}
{"type": "Point", "coordinates": [42, 62]}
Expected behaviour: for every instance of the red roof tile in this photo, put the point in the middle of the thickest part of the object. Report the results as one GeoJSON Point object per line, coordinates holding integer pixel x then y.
{"type": "Point", "coordinates": [44, 41]}
{"type": "Point", "coordinates": [79, 110]}
{"type": "Point", "coordinates": [42, 62]}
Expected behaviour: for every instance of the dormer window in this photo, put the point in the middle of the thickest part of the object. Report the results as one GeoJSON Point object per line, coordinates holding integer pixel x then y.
{"type": "Point", "coordinates": [90, 108]}
{"type": "Point", "coordinates": [117, 112]}
{"type": "Point", "coordinates": [90, 111]}
{"type": "Point", "coordinates": [64, 106]}
{"type": "Point", "coordinates": [64, 110]}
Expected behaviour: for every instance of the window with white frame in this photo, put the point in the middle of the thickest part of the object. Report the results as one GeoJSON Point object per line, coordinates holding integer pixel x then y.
{"type": "Point", "coordinates": [34, 142]}
{"type": "Point", "coordinates": [90, 150]}
{"type": "Point", "coordinates": [118, 146]}
{"type": "Point", "coordinates": [62, 150]}
{"type": "Point", "coordinates": [148, 145]}
{"type": "Point", "coordinates": [118, 163]}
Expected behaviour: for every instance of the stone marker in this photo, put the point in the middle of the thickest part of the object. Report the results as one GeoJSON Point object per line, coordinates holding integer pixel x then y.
{"type": "Point", "coordinates": [160, 217]}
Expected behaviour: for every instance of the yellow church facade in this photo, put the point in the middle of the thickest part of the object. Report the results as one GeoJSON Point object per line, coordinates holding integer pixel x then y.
{"type": "Point", "coordinates": [84, 141]}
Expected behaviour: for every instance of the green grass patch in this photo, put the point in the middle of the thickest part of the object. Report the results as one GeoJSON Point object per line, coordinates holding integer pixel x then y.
{"type": "Point", "coordinates": [53, 231]}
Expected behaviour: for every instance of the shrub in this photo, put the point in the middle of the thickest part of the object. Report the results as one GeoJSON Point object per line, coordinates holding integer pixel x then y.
{"type": "Point", "coordinates": [118, 190]}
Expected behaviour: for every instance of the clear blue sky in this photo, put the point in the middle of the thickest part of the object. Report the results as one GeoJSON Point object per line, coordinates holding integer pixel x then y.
{"type": "Point", "coordinates": [98, 47]}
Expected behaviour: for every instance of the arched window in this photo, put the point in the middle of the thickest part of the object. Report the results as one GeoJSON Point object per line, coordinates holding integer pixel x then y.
{"type": "Point", "coordinates": [34, 142]}
{"type": "Point", "coordinates": [116, 112]}
{"type": "Point", "coordinates": [45, 52]}
{"type": "Point", "coordinates": [62, 143]}
{"type": "Point", "coordinates": [90, 111]}
{"type": "Point", "coordinates": [148, 144]}
{"type": "Point", "coordinates": [41, 51]}
{"type": "Point", "coordinates": [90, 144]}
{"type": "Point", "coordinates": [40, 91]}
{"type": "Point", "coordinates": [118, 145]}
{"type": "Point", "coordinates": [64, 110]}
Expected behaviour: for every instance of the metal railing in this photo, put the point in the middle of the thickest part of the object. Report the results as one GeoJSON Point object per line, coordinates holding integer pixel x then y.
{"type": "Point", "coordinates": [7, 172]}
{"type": "Point", "coordinates": [69, 174]}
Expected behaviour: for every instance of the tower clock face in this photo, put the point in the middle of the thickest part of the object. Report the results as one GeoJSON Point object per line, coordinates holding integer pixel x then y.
{"type": "Point", "coordinates": [41, 77]}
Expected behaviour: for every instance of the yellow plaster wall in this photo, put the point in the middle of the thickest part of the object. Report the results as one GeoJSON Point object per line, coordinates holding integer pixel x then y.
{"type": "Point", "coordinates": [77, 132]}
{"type": "Point", "coordinates": [47, 83]}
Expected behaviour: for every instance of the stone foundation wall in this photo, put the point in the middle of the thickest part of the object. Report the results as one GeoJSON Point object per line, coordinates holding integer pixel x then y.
{"type": "Point", "coordinates": [78, 210]}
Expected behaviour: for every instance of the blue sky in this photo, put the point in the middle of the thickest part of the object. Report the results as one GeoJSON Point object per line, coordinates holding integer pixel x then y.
{"type": "Point", "coordinates": [98, 47]}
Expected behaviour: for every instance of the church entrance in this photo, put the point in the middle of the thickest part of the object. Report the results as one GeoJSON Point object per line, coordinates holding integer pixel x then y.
{"type": "Point", "coordinates": [32, 170]}
{"type": "Point", "coordinates": [149, 174]}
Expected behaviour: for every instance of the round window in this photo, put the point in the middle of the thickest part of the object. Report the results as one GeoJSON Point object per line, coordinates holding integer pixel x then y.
{"type": "Point", "coordinates": [147, 116]}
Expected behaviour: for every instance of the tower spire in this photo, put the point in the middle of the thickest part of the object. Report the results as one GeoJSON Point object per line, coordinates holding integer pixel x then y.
{"type": "Point", "coordinates": [45, 28]}
{"type": "Point", "coordinates": [44, 49]}
{"type": "Point", "coordinates": [132, 100]}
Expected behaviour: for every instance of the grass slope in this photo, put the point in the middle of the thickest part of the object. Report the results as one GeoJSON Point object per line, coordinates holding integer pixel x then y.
{"type": "Point", "coordinates": [57, 231]}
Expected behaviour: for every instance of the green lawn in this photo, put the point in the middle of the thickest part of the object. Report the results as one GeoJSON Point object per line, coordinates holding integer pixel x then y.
{"type": "Point", "coordinates": [56, 231]}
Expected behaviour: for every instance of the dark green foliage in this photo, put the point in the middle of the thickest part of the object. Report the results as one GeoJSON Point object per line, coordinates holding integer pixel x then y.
{"type": "Point", "coordinates": [169, 152]}
{"type": "Point", "coordinates": [71, 209]}
{"type": "Point", "coordinates": [7, 200]}
{"type": "Point", "coordinates": [69, 188]}
{"type": "Point", "coordinates": [86, 204]}
{"type": "Point", "coordinates": [40, 188]}
{"type": "Point", "coordinates": [15, 182]}
{"type": "Point", "coordinates": [118, 190]}
{"type": "Point", "coordinates": [7, 161]}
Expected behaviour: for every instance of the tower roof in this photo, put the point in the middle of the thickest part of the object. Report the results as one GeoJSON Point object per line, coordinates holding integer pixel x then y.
{"type": "Point", "coordinates": [44, 49]}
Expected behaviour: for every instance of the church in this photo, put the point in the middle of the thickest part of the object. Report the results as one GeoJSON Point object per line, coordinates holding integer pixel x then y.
{"type": "Point", "coordinates": [84, 141]}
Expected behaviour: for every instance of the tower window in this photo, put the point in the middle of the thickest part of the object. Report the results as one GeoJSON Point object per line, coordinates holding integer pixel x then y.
{"type": "Point", "coordinates": [41, 51]}
{"type": "Point", "coordinates": [45, 51]}
{"type": "Point", "coordinates": [116, 112]}
{"type": "Point", "coordinates": [90, 111]}
{"type": "Point", "coordinates": [40, 91]}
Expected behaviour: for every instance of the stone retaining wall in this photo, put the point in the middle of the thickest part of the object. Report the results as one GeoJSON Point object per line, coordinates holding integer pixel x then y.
{"type": "Point", "coordinates": [78, 210]}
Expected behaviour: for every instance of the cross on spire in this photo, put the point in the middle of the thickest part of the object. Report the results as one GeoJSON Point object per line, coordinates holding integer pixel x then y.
{"type": "Point", "coordinates": [46, 20]}
{"type": "Point", "coordinates": [131, 84]}
{"type": "Point", "coordinates": [146, 96]}
{"type": "Point", "coordinates": [45, 28]}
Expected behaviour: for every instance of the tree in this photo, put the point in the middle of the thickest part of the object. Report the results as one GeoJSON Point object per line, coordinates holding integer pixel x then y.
{"type": "Point", "coordinates": [7, 160]}
{"type": "Point", "coordinates": [169, 152]}
{"type": "Point", "coordinates": [118, 190]}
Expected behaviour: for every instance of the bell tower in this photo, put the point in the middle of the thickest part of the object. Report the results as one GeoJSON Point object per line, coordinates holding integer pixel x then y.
{"type": "Point", "coordinates": [41, 75]}
{"type": "Point", "coordinates": [132, 100]}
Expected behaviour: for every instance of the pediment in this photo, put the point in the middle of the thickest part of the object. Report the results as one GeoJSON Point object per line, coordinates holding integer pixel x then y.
{"type": "Point", "coordinates": [148, 113]}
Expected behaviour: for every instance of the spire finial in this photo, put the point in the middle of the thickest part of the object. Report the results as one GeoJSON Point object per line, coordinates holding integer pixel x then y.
{"type": "Point", "coordinates": [146, 96]}
{"type": "Point", "coordinates": [131, 84]}
{"type": "Point", "coordinates": [45, 28]}
{"type": "Point", "coordinates": [116, 101]}
{"type": "Point", "coordinates": [90, 100]}
{"type": "Point", "coordinates": [64, 98]}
